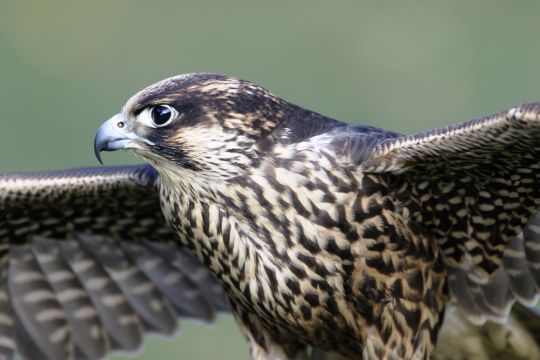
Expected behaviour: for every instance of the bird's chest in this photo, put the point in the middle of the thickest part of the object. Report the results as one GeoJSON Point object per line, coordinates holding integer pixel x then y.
{"type": "Point", "coordinates": [307, 251]}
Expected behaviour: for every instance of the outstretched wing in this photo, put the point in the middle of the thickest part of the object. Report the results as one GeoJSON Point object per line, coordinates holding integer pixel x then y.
{"type": "Point", "coordinates": [88, 264]}
{"type": "Point", "coordinates": [475, 187]}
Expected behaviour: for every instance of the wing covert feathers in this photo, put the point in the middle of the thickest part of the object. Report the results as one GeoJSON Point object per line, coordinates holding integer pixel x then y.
{"type": "Point", "coordinates": [473, 143]}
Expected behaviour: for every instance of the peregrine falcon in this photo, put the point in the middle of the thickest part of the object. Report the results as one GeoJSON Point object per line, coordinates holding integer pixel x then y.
{"type": "Point", "coordinates": [323, 239]}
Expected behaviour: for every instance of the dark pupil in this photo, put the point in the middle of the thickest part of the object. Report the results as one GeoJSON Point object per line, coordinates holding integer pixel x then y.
{"type": "Point", "coordinates": [161, 114]}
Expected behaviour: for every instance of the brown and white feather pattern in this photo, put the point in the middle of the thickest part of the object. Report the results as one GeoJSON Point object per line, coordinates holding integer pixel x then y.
{"type": "Point", "coordinates": [288, 250]}
{"type": "Point", "coordinates": [349, 239]}
{"type": "Point", "coordinates": [315, 248]}
{"type": "Point", "coordinates": [478, 186]}
{"type": "Point", "coordinates": [320, 233]}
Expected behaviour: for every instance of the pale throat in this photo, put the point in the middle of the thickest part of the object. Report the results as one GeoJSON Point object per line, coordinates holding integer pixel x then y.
{"type": "Point", "coordinates": [218, 239]}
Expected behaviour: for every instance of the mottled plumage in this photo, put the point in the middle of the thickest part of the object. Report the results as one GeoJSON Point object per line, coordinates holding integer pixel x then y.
{"type": "Point", "coordinates": [347, 239]}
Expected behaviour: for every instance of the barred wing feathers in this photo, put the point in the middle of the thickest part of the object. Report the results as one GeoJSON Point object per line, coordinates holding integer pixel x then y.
{"type": "Point", "coordinates": [475, 187]}
{"type": "Point", "coordinates": [88, 265]}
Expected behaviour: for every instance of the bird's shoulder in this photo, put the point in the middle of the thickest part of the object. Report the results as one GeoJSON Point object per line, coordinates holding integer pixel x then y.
{"type": "Point", "coordinates": [306, 131]}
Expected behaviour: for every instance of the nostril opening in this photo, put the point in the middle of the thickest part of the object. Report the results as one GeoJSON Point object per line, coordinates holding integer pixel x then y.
{"type": "Point", "coordinates": [120, 124]}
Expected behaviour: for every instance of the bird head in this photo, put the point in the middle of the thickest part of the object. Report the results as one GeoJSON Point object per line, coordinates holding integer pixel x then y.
{"type": "Point", "coordinates": [208, 124]}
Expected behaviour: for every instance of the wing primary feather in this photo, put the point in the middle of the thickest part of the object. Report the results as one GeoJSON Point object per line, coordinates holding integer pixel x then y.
{"type": "Point", "coordinates": [198, 274]}
{"type": "Point", "coordinates": [517, 269]}
{"type": "Point", "coordinates": [8, 343]}
{"type": "Point", "coordinates": [138, 290]}
{"type": "Point", "coordinates": [181, 292]}
{"type": "Point", "coordinates": [498, 296]}
{"type": "Point", "coordinates": [39, 314]}
{"type": "Point", "coordinates": [83, 319]}
{"type": "Point", "coordinates": [531, 235]}
{"type": "Point", "coordinates": [123, 327]}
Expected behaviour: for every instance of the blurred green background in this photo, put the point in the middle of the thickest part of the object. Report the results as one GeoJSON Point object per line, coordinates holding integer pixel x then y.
{"type": "Point", "coordinates": [66, 66]}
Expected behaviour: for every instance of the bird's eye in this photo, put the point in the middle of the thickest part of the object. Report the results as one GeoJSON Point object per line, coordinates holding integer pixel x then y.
{"type": "Point", "coordinates": [162, 115]}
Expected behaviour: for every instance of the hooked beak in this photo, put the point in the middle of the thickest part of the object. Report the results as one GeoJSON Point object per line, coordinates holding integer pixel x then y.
{"type": "Point", "coordinates": [115, 135]}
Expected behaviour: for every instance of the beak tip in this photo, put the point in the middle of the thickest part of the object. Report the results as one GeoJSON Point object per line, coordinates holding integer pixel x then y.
{"type": "Point", "coordinates": [98, 147]}
{"type": "Point", "coordinates": [98, 157]}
